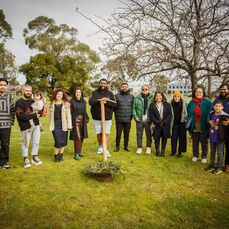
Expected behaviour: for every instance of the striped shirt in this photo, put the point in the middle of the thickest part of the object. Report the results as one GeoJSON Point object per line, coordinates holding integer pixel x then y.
{"type": "Point", "coordinates": [7, 111]}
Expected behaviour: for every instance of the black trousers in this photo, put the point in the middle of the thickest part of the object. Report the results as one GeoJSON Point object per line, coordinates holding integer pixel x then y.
{"type": "Point", "coordinates": [179, 136]}
{"type": "Point", "coordinates": [163, 141]}
{"type": "Point", "coordinates": [5, 144]}
{"type": "Point", "coordinates": [125, 127]}
{"type": "Point", "coordinates": [140, 126]}
{"type": "Point", "coordinates": [198, 137]}
{"type": "Point", "coordinates": [227, 152]}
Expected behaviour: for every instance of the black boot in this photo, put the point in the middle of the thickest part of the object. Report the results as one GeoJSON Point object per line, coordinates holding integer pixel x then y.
{"type": "Point", "coordinates": [163, 145]}
{"type": "Point", "coordinates": [117, 148]}
{"type": "Point", "coordinates": [56, 157]}
{"type": "Point", "coordinates": [158, 153]}
{"type": "Point", "coordinates": [61, 157]}
{"type": "Point", "coordinates": [126, 148]}
{"type": "Point", "coordinates": [162, 152]}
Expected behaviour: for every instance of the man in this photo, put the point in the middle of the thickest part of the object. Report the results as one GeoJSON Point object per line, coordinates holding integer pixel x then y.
{"type": "Point", "coordinates": [140, 113]}
{"type": "Point", "coordinates": [224, 98]}
{"type": "Point", "coordinates": [7, 115]}
{"type": "Point", "coordinates": [102, 93]}
{"type": "Point", "coordinates": [123, 115]}
{"type": "Point", "coordinates": [24, 113]}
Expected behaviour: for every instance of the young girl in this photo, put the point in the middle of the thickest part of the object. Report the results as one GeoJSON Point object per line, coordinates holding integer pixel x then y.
{"type": "Point", "coordinates": [217, 136]}
{"type": "Point", "coordinates": [38, 107]}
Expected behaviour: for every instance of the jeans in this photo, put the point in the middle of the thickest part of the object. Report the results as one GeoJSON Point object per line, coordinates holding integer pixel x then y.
{"type": "Point", "coordinates": [27, 135]}
{"type": "Point", "coordinates": [219, 147]}
{"type": "Point", "coordinates": [198, 137]}
{"type": "Point", "coordinates": [5, 143]}
{"type": "Point", "coordinates": [140, 126]}
{"type": "Point", "coordinates": [125, 127]}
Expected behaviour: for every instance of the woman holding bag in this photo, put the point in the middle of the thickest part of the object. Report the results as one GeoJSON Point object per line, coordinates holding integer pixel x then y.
{"type": "Point", "coordinates": [199, 108]}
{"type": "Point", "coordinates": [79, 122]}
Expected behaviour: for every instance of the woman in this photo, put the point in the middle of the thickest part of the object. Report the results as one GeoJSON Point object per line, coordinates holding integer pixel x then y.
{"type": "Point", "coordinates": [179, 114]}
{"type": "Point", "coordinates": [60, 122]}
{"type": "Point", "coordinates": [79, 122]}
{"type": "Point", "coordinates": [199, 108]}
{"type": "Point", "coordinates": [160, 116]}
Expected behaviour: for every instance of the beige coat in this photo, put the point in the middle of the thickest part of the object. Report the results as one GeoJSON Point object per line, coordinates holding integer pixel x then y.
{"type": "Point", "coordinates": [65, 117]}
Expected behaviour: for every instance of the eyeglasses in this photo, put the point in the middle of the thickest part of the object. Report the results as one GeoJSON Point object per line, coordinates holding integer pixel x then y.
{"type": "Point", "coordinates": [144, 89]}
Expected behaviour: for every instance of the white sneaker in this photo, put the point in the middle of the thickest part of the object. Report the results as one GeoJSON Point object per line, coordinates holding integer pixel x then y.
{"type": "Point", "coordinates": [100, 150]}
{"type": "Point", "coordinates": [27, 163]}
{"type": "Point", "coordinates": [108, 154]}
{"type": "Point", "coordinates": [148, 150]}
{"type": "Point", "coordinates": [36, 160]}
{"type": "Point", "coordinates": [139, 151]}
{"type": "Point", "coordinates": [204, 160]}
{"type": "Point", "coordinates": [194, 159]}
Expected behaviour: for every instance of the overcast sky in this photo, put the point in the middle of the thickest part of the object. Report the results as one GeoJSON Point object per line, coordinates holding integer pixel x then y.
{"type": "Point", "coordinates": [19, 12]}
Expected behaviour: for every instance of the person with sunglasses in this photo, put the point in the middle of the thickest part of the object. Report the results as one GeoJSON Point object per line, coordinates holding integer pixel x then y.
{"type": "Point", "coordinates": [141, 105]}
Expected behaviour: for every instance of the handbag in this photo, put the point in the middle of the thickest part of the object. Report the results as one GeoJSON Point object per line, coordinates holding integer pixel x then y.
{"type": "Point", "coordinates": [188, 122]}
{"type": "Point", "coordinates": [152, 128]}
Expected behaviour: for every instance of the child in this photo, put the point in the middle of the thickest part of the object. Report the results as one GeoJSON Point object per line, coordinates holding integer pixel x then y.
{"type": "Point", "coordinates": [38, 107]}
{"type": "Point", "coordinates": [217, 137]}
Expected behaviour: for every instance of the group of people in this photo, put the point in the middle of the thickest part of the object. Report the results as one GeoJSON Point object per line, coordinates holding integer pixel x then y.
{"type": "Point", "coordinates": [160, 119]}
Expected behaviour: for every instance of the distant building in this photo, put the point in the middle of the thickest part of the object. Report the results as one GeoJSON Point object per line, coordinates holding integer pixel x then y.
{"type": "Point", "coordinates": [184, 87]}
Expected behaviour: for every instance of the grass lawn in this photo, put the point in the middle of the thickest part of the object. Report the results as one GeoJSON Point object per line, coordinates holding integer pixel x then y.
{"type": "Point", "coordinates": [153, 192]}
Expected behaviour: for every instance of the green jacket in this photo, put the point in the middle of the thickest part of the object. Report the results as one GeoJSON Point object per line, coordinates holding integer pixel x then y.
{"type": "Point", "coordinates": [138, 105]}
{"type": "Point", "coordinates": [205, 106]}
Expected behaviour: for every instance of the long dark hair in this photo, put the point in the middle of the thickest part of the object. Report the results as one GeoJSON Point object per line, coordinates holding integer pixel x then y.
{"type": "Point", "coordinates": [74, 94]}
{"type": "Point", "coordinates": [195, 89]}
{"type": "Point", "coordinates": [163, 97]}
{"type": "Point", "coordinates": [55, 92]}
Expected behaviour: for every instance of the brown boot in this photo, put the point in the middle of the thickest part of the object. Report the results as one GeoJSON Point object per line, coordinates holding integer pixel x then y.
{"type": "Point", "coordinates": [226, 168]}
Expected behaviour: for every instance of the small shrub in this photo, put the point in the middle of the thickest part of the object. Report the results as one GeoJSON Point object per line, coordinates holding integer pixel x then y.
{"type": "Point", "coordinates": [102, 168]}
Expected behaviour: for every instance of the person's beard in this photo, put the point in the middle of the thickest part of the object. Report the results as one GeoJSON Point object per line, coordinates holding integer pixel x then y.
{"type": "Point", "coordinates": [223, 95]}
{"type": "Point", "coordinates": [27, 96]}
{"type": "Point", "coordinates": [124, 91]}
{"type": "Point", "coordinates": [103, 88]}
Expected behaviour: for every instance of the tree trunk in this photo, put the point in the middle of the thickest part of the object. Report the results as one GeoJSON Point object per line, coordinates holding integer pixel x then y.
{"type": "Point", "coordinates": [209, 91]}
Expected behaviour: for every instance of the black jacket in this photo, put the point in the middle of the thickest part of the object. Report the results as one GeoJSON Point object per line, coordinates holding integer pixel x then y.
{"type": "Point", "coordinates": [95, 104]}
{"type": "Point", "coordinates": [160, 124]}
{"type": "Point", "coordinates": [78, 108]}
{"type": "Point", "coordinates": [123, 110]}
{"type": "Point", "coordinates": [24, 113]}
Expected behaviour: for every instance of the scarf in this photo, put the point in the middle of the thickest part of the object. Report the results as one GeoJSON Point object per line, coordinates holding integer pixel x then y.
{"type": "Point", "coordinates": [197, 109]}
{"type": "Point", "coordinates": [145, 98]}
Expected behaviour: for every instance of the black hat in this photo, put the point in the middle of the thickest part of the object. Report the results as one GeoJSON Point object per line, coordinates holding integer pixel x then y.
{"type": "Point", "coordinates": [4, 79]}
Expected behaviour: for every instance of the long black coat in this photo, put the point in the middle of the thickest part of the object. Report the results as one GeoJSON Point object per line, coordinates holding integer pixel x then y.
{"type": "Point", "coordinates": [75, 112]}
{"type": "Point", "coordinates": [160, 124]}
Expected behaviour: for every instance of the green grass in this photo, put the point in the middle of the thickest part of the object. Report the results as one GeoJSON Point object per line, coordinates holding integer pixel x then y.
{"type": "Point", "coordinates": [153, 192]}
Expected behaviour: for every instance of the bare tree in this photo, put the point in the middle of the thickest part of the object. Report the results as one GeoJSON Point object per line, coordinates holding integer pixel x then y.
{"type": "Point", "coordinates": [185, 38]}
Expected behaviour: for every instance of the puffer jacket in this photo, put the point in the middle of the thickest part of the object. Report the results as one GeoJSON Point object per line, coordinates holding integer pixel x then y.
{"type": "Point", "coordinates": [138, 106]}
{"type": "Point", "coordinates": [123, 110]}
